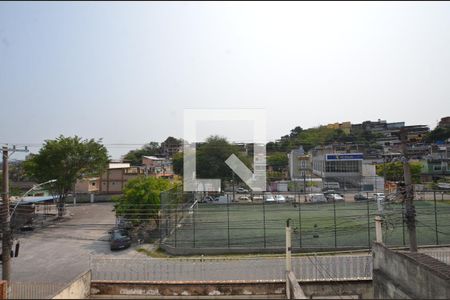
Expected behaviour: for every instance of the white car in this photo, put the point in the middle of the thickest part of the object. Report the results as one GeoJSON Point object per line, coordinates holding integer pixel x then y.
{"type": "Point", "coordinates": [257, 198]}
{"type": "Point", "coordinates": [336, 197]}
{"type": "Point", "coordinates": [317, 198]}
{"type": "Point", "coordinates": [269, 198]}
{"type": "Point", "coordinates": [242, 191]}
{"type": "Point", "coordinates": [245, 198]}
{"type": "Point", "coordinates": [280, 198]}
{"type": "Point", "coordinates": [378, 196]}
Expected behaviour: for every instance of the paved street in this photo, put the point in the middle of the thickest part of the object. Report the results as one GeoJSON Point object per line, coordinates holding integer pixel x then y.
{"type": "Point", "coordinates": [60, 252]}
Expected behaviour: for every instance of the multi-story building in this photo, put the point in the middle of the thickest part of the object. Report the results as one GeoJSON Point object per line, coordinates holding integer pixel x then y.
{"type": "Point", "coordinates": [444, 123]}
{"type": "Point", "coordinates": [113, 180]}
{"type": "Point", "coordinates": [415, 133]}
{"type": "Point", "coordinates": [299, 164]}
{"type": "Point", "coordinates": [87, 185]}
{"type": "Point", "coordinates": [436, 164]}
{"type": "Point", "coordinates": [157, 166]}
{"type": "Point", "coordinates": [344, 170]}
{"type": "Point", "coordinates": [346, 127]}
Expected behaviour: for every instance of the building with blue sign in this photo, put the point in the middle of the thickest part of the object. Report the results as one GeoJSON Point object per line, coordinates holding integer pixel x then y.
{"type": "Point", "coordinates": [344, 171]}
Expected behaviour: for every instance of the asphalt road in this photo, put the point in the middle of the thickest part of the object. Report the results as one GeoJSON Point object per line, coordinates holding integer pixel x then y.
{"type": "Point", "coordinates": [62, 251]}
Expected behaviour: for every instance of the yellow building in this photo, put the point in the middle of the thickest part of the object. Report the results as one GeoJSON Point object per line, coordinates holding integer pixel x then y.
{"type": "Point", "coordinates": [344, 126]}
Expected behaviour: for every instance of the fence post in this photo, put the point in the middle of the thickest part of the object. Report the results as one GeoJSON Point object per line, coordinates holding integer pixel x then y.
{"type": "Point", "coordinates": [176, 223]}
{"type": "Point", "coordinates": [300, 222]}
{"type": "Point", "coordinates": [228, 216]}
{"type": "Point", "coordinates": [288, 257]}
{"type": "Point", "coordinates": [403, 223]}
{"type": "Point", "coordinates": [435, 219]}
{"type": "Point", "coordinates": [193, 226]}
{"type": "Point", "coordinates": [264, 220]}
{"type": "Point", "coordinates": [335, 228]}
{"type": "Point", "coordinates": [378, 229]}
{"type": "Point", "coordinates": [368, 221]}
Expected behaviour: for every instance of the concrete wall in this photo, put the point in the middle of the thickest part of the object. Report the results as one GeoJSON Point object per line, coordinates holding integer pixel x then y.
{"type": "Point", "coordinates": [80, 288]}
{"type": "Point", "coordinates": [361, 289]}
{"type": "Point", "coordinates": [406, 275]}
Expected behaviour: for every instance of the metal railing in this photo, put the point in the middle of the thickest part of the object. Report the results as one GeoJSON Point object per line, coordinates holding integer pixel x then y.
{"type": "Point", "coordinates": [315, 268]}
{"type": "Point", "coordinates": [441, 255]}
{"type": "Point", "coordinates": [32, 290]}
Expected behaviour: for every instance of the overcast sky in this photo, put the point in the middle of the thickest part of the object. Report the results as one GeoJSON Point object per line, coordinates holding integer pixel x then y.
{"type": "Point", "coordinates": [125, 72]}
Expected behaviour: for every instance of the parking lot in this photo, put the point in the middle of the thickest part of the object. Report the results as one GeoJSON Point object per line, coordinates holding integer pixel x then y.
{"type": "Point", "coordinates": [62, 250]}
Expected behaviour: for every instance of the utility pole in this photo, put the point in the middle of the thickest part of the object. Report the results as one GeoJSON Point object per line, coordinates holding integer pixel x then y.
{"type": "Point", "coordinates": [410, 211]}
{"type": "Point", "coordinates": [6, 228]}
{"type": "Point", "coordinates": [5, 216]}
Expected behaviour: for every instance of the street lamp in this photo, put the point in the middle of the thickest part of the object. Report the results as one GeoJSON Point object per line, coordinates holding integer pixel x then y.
{"type": "Point", "coordinates": [34, 187]}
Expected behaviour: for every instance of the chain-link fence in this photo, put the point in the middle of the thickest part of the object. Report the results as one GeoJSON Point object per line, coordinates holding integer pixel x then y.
{"type": "Point", "coordinates": [191, 226]}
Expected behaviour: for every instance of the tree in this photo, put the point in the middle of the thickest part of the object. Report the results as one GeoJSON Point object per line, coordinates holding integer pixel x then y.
{"type": "Point", "coordinates": [141, 199]}
{"type": "Point", "coordinates": [177, 163]}
{"type": "Point", "coordinates": [394, 171]}
{"type": "Point", "coordinates": [278, 161]}
{"type": "Point", "coordinates": [135, 156]}
{"type": "Point", "coordinates": [437, 134]}
{"type": "Point", "coordinates": [66, 159]}
{"type": "Point", "coordinates": [211, 157]}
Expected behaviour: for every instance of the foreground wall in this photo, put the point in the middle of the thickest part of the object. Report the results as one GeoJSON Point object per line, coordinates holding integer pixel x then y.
{"type": "Point", "coordinates": [361, 289]}
{"type": "Point", "coordinates": [407, 275]}
{"type": "Point", "coordinates": [80, 288]}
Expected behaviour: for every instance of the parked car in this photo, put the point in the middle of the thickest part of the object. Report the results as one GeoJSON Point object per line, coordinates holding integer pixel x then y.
{"type": "Point", "coordinates": [245, 198]}
{"type": "Point", "coordinates": [335, 197]}
{"type": "Point", "coordinates": [242, 191]}
{"type": "Point", "coordinates": [222, 199]}
{"type": "Point", "coordinates": [317, 198]}
{"type": "Point", "coordinates": [269, 198]}
{"type": "Point", "coordinates": [290, 197]}
{"type": "Point", "coordinates": [258, 198]}
{"type": "Point", "coordinates": [207, 199]}
{"type": "Point", "coordinates": [361, 197]}
{"type": "Point", "coordinates": [378, 196]}
{"type": "Point", "coordinates": [120, 239]}
{"type": "Point", "coordinates": [328, 194]}
{"type": "Point", "coordinates": [280, 198]}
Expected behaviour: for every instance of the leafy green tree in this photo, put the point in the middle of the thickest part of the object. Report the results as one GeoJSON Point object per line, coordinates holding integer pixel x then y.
{"type": "Point", "coordinates": [275, 176]}
{"type": "Point", "coordinates": [141, 199]}
{"type": "Point", "coordinates": [66, 159]}
{"type": "Point", "coordinates": [278, 161]}
{"type": "Point", "coordinates": [394, 171]}
{"type": "Point", "coordinates": [135, 156]}
{"type": "Point", "coordinates": [177, 163]}
{"type": "Point", "coordinates": [211, 157]}
{"type": "Point", "coordinates": [438, 134]}
{"type": "Point", "coordinates": [295, 132]}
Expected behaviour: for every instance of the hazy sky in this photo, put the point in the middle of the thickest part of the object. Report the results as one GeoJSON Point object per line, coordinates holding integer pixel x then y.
{"type": "Point", "coordinates": [124, 72]}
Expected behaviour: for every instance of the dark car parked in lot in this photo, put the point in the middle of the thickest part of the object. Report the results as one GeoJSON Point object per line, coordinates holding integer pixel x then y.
{"type": "Point", "coordinates": [120, 239]}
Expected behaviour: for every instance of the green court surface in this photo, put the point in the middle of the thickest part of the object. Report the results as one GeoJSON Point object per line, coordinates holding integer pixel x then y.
{"type": "Point", "coordinates": [325, 226]}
